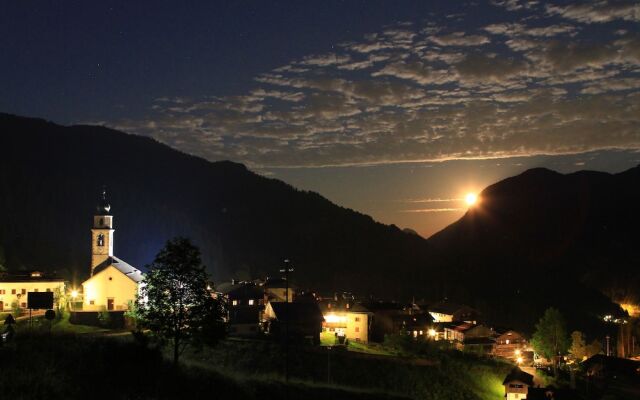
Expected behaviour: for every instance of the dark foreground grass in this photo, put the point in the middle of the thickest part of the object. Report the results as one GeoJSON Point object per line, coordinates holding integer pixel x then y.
{"type": "Point", "coordinates": [66, 366]}
{"type": "Point", "coordinates": [438, 376]}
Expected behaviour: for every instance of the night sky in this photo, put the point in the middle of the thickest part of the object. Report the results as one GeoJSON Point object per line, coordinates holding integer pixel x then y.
{"type": "Point", "coordinates": [396, 109]}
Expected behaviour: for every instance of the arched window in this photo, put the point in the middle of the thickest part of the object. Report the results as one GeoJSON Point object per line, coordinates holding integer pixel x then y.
{"type": "Point", "coordinates": [101, 240]}
{"type": "Point", "coordinates": [101, 221]}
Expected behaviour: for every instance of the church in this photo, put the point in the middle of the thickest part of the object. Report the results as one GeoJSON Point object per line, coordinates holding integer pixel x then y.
{"type": "Point", "coordinates": [113, 283]}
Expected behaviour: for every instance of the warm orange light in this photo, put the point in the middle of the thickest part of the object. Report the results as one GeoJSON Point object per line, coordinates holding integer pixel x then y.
{"type": "Point", "coordinates": [471, 198]}
{"type": "Point", "coordinates": [519, 360]}
{"type": "Point", "coordinates": [74, 294]}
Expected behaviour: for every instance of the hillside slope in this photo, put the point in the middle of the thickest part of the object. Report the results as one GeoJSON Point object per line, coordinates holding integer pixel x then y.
{"type": "Point", "coordinates": [547, 236]}
{"type": "Point", "coordinates": [245, 224]}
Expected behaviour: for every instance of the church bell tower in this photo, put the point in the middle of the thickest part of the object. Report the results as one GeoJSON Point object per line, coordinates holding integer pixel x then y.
{"type": "Point", "coordinates": [101, 233]}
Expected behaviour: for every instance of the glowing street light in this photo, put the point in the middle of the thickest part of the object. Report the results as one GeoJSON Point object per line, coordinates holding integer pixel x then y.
{"type": "Point", "coordinates": [517, 352]}
{"type": "Point", "coordinates": [432, 332]}
{"type": "Point", "coordinates": [74, 294]}
{"type": "Point", "coordinates": [519, 360]}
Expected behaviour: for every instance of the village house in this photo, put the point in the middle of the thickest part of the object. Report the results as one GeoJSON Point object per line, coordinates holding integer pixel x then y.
{"type": "Point", "coordinates": [391, 318]}
{"type": "Point", "coordinates": [113, 284]}
{"type": "Point", "coordinates": [346, 320]}
{"type": "Point", "coordinates": [245, 305]}
{"type": "Point", "coordinates": [511, 345]}
{"type": "Point", "coordinates": [479, 339]}
{"type": "Point", "coordinates": [14, 288]}
{"type": "Point", "coordinates": [517, 384]}
{"type": "Point", "coordinates": [298, 322]}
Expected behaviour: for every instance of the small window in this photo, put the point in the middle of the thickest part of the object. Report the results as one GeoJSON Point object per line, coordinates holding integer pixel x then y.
{"type": "Point", "coordinates": [101, 240]}
{"type": "Point", "coordinates": [13, 291]}
{"type": "Point", "coordinates": [24, 291]}
{"type": "Point", "coordinates": [101, 221]}
{"type": "Point", "coordinates": [36, 290]}
{"type": "Point", "coordinates": [357, 319]}
{"type": "Point", "coordinates": [234, 302]}
{"type": "Point", "coordinates": [48, 290]}
{"type": "Point", "coordinates": [23, 305]}
{"type": "Point", "coordinates": [251, 302]}
{"type": "Point", "coordinates": [92, 302]}
{"type": "Point", "coordinates": [1, 291]}
{"type": "Point", "coordinates": [357, 329]}
{"type": "Point", "coordinates": [507, 341]}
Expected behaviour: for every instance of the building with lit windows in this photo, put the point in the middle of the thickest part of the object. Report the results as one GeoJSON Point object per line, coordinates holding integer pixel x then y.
{"type": "Point", "coordinates": [15, 287]}
{"type": "Point", "coordinates": [350, 320]}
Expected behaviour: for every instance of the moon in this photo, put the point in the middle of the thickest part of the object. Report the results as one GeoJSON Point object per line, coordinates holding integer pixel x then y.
{"type": "Point", "coordinates": [471, 198]}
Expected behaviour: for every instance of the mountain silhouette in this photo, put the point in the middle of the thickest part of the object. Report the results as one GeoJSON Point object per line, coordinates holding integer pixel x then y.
{"type": "Point", "coordinates": [535, 240]}
{"type": "Point", "coordinates": [244, 223]}
{"type": "Point", "coordinates": [547, 236]}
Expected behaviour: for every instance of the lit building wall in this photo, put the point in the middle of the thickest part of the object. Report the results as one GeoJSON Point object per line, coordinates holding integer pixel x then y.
{"type": "Point", "coordinates": [16, 292]}
{"type": "Point", "coordinates": [106, 285]}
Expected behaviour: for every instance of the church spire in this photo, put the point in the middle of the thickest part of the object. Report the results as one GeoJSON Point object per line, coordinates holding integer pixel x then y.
{"type": "Point", "coordinates": [103, 207]}
{"type": "Point", "coordinates": [102, 232]}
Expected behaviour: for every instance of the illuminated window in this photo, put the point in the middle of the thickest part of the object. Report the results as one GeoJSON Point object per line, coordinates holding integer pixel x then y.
{"type": "Point", "coordinates": [101, 240]}
{"type": "Point", "coordinates": [23, 305]}
{"type": "Point", "coordinates": [507, 341]}
{"type": "Point", "coordinates": [13, 291]}
{"type": "Point", "coordinates": [250, 302]}
{"type": "Point", "coordinates": [24, 291]}
{"type": "Point", "coordinates": [234, 302]}
{"type": "Point", "coordinates": [357, 319]}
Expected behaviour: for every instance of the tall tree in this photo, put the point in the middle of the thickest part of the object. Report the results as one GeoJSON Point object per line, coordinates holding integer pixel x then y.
{"type": "Point", "coordinates": [175, 302]}
{"type": "Point", "coordinates": [578, 346]}
{"type": "Point", "coordinates": [550, 338]}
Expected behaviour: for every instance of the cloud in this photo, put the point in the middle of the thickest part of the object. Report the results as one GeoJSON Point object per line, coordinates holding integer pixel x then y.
{"type": "Point", "coordinates": [598, 11]}
{"type": "Point", "coordinates": [427, 92]}
{"type": "Point", "coordinates": [459, 39]}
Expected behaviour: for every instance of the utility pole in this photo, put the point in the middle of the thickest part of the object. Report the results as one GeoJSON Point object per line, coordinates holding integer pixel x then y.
{"type": "Point", "coordinates": [608, 351]}
{"type": "Point", "coordinates": [286, 270]}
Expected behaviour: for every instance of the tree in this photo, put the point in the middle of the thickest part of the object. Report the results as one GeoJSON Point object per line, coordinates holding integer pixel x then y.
{"type": "Point", "coordinates": [578, 346]}
{"type": "Point", "coordinates": [174, 300]}
{"type": "Point", "coordinates": [550, 338]}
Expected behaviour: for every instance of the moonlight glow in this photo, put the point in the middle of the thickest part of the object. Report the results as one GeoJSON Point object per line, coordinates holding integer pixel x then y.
{"type": "Point", "coordinates": [471, 198]}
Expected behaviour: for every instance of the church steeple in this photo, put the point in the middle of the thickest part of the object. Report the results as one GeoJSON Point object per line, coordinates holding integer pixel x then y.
{"type": "Point", "coordinates": [102, 232]}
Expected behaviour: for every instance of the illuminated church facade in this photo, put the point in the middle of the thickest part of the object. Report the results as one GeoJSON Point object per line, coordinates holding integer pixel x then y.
{"type": "Point", "coordinates": [113, 284]}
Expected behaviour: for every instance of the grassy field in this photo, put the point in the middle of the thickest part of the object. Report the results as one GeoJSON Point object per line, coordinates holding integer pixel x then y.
{"type": "Point", "coordinates": [444, 375]}
{"type": "Point", "coordinates": [39, 365]}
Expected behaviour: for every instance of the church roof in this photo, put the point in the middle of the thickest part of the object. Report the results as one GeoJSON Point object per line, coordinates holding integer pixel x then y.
{"type": "Point", "coordinates": [131, 272]}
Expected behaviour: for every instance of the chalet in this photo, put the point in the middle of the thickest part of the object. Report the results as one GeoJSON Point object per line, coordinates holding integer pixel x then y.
{"type": "Point", "coordinates": [348, 320]}
{"type": "Point", "coordinates": [479, 339]}
{"type": "Point", "coordinates": [15, 287]}
{"type": "Point", "coordinates": [510, 345]}
{"type": "Point", "coordinates": [300, 322]}
{"type": "Point", "coordinates": [390, 318]}
{"type": "Point", "coordinates": [517, 384]}
{"type": "Point", "coordinates": [245, 305]}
